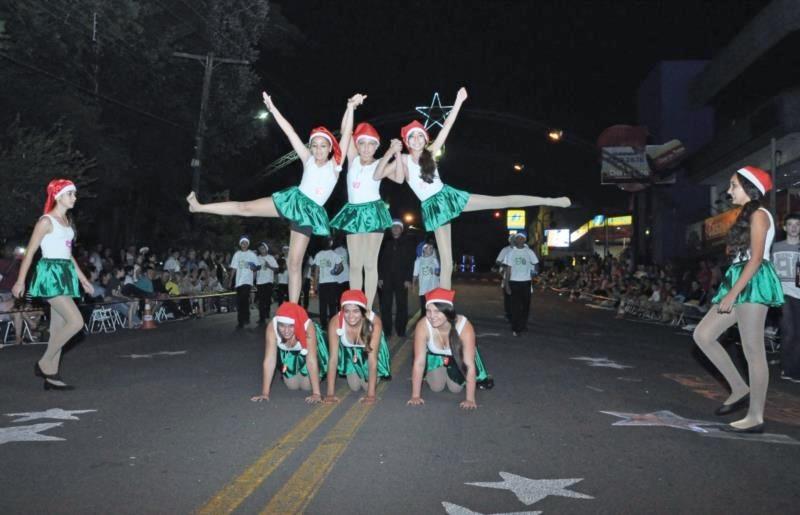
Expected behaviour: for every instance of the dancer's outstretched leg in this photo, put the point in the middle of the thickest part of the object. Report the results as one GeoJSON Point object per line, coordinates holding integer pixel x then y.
{"type": "Point", "coordinates": [705, 335]}
{"type": "Point", "coordinates": [481, 202]}
{"type": "Point", "coordinates": [444, 244]}
{"type": "Point", "coordinates": [260, 207]}
{"type": "Point", "coordinates": [751, 318]}
{"type": "Point", "coordinates": [298, 243]}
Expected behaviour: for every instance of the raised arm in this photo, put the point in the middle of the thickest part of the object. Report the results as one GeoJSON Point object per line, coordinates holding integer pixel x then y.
{"type": "Point", "coordinates": [297, 144]}
{"type": "Point", "coordinates": [438, 143]}
{"type": "Point", "coordinates": [468, 352]}
{"type": "Point", "coordinates": [389, 169]}
{"type": "Point", "coordinates": [43, 227]}
{"type": "Point", "coordinates": [346, 128]}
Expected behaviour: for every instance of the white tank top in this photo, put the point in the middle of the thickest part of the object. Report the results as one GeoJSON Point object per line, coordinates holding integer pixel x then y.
{"type": "Point", "coordinates": [361, 187]}
{"type": "Point", "coordinates": [770, 237]}
{"type": "Point", "coordinates": [318, 181]}
{"type": "Point", "coordinates": [281, 345]}
{"type": "Point", "coordinates": [346, 343]}
{"type": "Point", "coordinates": [435, 349]}
{"type": "Point", "coordinates": [422, 189]}
{"type": "Point", "coordinates": [57, 244]}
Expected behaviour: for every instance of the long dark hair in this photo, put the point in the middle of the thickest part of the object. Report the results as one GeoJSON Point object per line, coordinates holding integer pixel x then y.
{"type": "Point", "coordinates": [456, 346]}
{"type": "Point", "coordinates": [739, 235]}
{"type": "Point", "coordinates": [365, 336]}
{"type": "Point", "coordinates": [427, 166]}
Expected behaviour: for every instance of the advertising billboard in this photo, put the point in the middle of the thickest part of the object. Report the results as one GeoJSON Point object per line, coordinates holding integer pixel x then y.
{"type": "Point", "coordinates": [557, 237]}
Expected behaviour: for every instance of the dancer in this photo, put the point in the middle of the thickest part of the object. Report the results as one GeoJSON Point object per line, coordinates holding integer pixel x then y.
{"type": "Point", "coordinates": [445, 352]}
{"type": "Point", "coordinates": [357, 345]}
{"type": "Point", "coordinates": [301, 205]}
{"type": "Point", "coordinates": [365, 216]}
{"type": "Point", "coordinates": [303, 353]}
{"type": "Point", "coordinates": [56, 278]}
{"type": "Point", "coordinates": [749, 287]}
{"type": "Point", "coordinates": [440, 202]}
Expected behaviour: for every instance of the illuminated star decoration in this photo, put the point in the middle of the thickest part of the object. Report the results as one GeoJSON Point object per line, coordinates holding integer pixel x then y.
{"type": "Point", "coordinates": [455, 509]}
{"type": "Point", "coordinates": [434, 114]}
{"type": "Point", "coordinates": [662, 419]}
{"type": "Point", "coordinates": [601, 362]}
{"type": "Point", "coordinates": [530, 491]}
{"type": "Point", "coordinates": [28, 433]}
{"type": "Point", "coordinates": [53, 413]}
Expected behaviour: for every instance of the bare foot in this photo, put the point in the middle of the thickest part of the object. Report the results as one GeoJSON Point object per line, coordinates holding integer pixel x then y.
{"type": "Point", "coordinates": [194, 205]}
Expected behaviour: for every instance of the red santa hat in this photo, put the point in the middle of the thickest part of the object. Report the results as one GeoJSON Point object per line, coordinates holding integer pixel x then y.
{"type": "Point", "coordinates": [322, 132]}
{"type": "Point", "coordinates": [356, 297]}
{"type": "Point", "coordinates": [294, 314]}
{"type": "Point", "coordinates": [366, 131]}
{"type": "Point", "coordinates": [407, 130]}
{"type": "Point", "coordinates": [758, 177]}
{"type": "Point", "coordinates": [55, 189]}
{"type": "Point", "coordinates": [440, 295]}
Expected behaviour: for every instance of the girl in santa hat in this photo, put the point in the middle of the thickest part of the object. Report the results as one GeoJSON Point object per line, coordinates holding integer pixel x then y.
{"type": "Point", "coordinates": [358, 347]}
{"type": "Point", "coordinates": [749, 288]}
{"type": "Point", "coordinates": [440, 202]}
{"type": "Point", "coordinates": [365, 217]}
{"type": "Point", "coordinates": [445, 353]}
{"type": "Point", "coordinates": [300, 344]}
{"type": "Point", "coordinates": [56, 278]}
{"type": "Point", "coordinates": [301, 205]}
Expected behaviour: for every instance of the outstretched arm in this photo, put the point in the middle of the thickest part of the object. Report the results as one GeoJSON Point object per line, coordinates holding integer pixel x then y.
{"type": "Point", "coordinates": [297, 144]}
{"type": "Point", "coordinates": [389, 169]}
{"type": "Point", "coordinates": [438, 143]}
{"type": "Point", "coordinates": [346, 128]}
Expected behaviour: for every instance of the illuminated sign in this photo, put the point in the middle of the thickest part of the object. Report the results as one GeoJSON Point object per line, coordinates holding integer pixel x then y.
{"type": "Point", "coordinates": [600, 221]}
{"type": "Point", "coordinates": [557, 237]}
{"type": "Point", "coordinates": [515, 219]}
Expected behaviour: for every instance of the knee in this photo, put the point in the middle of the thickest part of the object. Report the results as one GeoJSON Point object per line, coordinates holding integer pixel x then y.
{"type": "Point", "coordinates": [74, 326]}
{"type": "Point", "coordinates": [700, 337]}
{"type": "Point", "coordinates": [305, 384]}
{"type": "Point", "coordinates": [454, 387]}
{"type": "Point", "coordinates": [290, 383]}
{"type": "Point", "coordinates": [294, 264]}
{"type": "Point", "coordinates": [354, 382]}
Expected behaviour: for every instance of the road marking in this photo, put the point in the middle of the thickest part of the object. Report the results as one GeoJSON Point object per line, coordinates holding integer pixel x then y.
{"type": "Point", "coordinates": [301, 488]}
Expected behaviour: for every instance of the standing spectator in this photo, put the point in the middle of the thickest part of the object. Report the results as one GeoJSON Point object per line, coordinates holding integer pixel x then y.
{"type": "Point", "coordinates": [243, 263]}
{"type": "Point", "coordinates": [785, 255]}
{"type": "Point", "coordinates": [172, 264]}
{"type": "Point", "coordinates": [499, 262]}
{"type": "Point", "coordinates": [96, 259]}
{"type": "Point", "coordinates": [343, 279]}
{"type": "Point", "coordinates": [520, 264]}
{"type": "Point", "coordinates": [282, 293]}
{"type": "Point", "coordinates": [426, 274]}
{"type": "Point", "coordinates": [327, 266]}
{"type": "Point", "coordinates": [265, 279]}
{"type": "Point", "coordinates": [395, 268]}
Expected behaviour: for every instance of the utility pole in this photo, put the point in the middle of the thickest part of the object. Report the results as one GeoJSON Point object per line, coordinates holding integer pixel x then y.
{"type": "Point", "coordinates": [208, 61]}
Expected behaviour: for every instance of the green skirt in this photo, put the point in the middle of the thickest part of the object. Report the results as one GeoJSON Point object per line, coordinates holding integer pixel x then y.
{"type": "Point", "coordinates": [353, 360]}
{"type": "Point", "coordinates": [446, 205]}
{"type": "Point", "coordinates": [54, 278]}
{"type": "Point", "coordinates": [763, 288]}
{"type": "Point", "coordinates": [363, 218]}
{"type": "Point", "coordinates": [293, 363]}
{"type": "Point", "coordinates": [296, 207]}
{"type": "Point", "coordinates": [438, 360]}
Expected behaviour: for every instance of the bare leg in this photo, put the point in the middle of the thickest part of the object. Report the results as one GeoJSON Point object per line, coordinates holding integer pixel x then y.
{"type": "Point", "coordinates": [443, 242]}
{"type": "Point", "coordinates": [437, 379]}
{"type": "Point", "coordinates": [453, 386]}
{"type": "Point", "coordinates": [364, 250]}
{"type": "Point", "coordinates": [298, 243]}
{"type": "Point", "coordinates": [65, 322]}
{"type": "Point", "coordinates": [264, 207]}
{"type": "Point", "coordinates": [356, 245]}
{"type": "Point", "coordinates": [481, 202]}
{"type": "Point", "coordinates": [705, 335]}
{"type": "Point", "coordinates": [751, 319]}
{"type": "Point", "coordinates": [354, 382]}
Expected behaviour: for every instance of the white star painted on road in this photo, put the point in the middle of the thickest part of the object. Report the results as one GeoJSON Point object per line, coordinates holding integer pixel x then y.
{"type": "Point", "coordinates": [28, 433]}
{"type": "Point", "coordinates": [484, 335]}
{"type": "Point", "coordinates": [530, 491]}
{"type": "Point", "coordinates": [162, 353]}
{"type": "Point", "coordinates": [427, 112]}
{"type": "Point", "coordinates": [172, 353]}
{"type": "Point", "coordinates": [455, 509]}
{"type": "Point", "coordinates": [53, 413]}
{"type": "Point", "coordinates": [136, 356]}
{"type": "Point", "coordinates": [662, 419]}
{"type": "Point", "coordinates": [601, 362]}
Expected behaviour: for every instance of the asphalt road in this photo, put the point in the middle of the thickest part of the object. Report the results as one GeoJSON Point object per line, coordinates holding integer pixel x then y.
{"type": "Point", "coordinates": [172, 429]}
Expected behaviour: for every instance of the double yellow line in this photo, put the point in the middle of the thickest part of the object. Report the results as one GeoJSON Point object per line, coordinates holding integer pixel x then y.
{"type": "Point", "coordinates": [299, 490]}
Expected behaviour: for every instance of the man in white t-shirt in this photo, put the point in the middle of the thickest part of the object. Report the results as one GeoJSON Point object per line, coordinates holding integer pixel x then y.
{"type": "Point", "coordinates": [244, 263]}
{"type": "Point", "coordinates": [172, 264]}
{"type": "Point", "coordinates": [265, 279]}
{"type": "Point", "coordinates": [520, 264]}
{"type": "Point", "coordinates": [501, 267]}
{"type": "Point", "coordinates": [785, 255]}
{"type": "Point", "coordinates": [327, 265]}
{"type": "Point", "coordinates": [343, 278]}
{"type": "Point", "coordinates": [426, 274]}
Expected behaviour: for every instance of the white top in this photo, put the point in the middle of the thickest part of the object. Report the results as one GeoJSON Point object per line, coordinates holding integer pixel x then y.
{"type": "Point", "coordinates": [57, 244]}
{"type": "Point", "coordinates": [318, 181]}
{"type": "Point", "coordinates": [785, 257]}
{"type": "Point", "coordinates": [172, 264]}
{"type": "Point", "coordinates": [433, 348]}
{"type": "Point", "coordinates": [281, 346]}
{"type": "Point", "coordinates": [265, 274]}
{"type": "Point", "coordinates": [522, 262]}
{"type": "Point", "coordinates": [241, 262]}
{"type": "Point", "coordinates": [344, 277]}
{"type": "Point", "coordinates": [347, 343]}
{"type": "Point", "coordinates": [503, 253]}
{"type": "Point", "coordinates": [770, 237]}
{"type": "Point", "coordinates": [422, 189]}
{"type": "Point", "coordinates": [425, 269]}
{"type": "Point", "coordinates": [326, 260]}
{"type": "Point", "coordinates": [361, 187]}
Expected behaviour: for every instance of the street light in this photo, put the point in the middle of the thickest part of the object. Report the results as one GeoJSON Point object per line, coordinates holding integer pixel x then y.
{"type": "Point", "coordinates": [555, 135]}
{"type": "Point", "coordinates": [518, 167]}
{"type": "Point", "coordinates": [408, 218]}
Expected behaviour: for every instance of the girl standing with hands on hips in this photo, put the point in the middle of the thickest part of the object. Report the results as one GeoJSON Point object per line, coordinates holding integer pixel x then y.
{"type": "Point", "coordinates": [303, 205]}
{"type": "Point", "coordinates": [56, 278]}
{"type": "Point", "coordinates": [749, 288]}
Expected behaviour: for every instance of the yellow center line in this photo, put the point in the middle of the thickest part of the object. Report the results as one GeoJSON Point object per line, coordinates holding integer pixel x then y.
{"type": "Point", "coordinates": [301, 488]}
